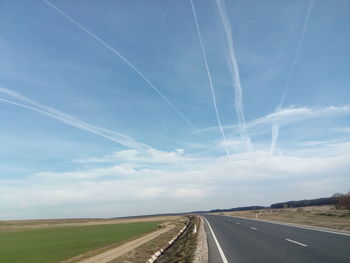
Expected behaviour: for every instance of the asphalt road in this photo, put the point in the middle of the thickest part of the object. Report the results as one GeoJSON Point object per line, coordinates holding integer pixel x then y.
{"type": "Point", "coordinates": [245, 241]}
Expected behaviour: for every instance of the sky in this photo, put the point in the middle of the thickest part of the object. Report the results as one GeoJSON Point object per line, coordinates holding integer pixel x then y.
{"type": "Point", "coordinates": [121, 108]}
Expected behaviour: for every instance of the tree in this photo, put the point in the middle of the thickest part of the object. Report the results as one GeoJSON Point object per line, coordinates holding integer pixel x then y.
{"type": "Point", "coordinates": [343, 202]}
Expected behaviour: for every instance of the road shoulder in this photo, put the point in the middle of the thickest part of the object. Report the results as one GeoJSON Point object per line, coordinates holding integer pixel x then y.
{"type": "Point", "coordinates": [201, 254]}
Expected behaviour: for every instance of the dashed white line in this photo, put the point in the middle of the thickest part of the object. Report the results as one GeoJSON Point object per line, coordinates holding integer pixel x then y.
{"type": "Point", "coordinates": [223, 257]}
{"type": "Point", "coordinates": [295, 242]}
{"type": "Point", "coordinates": [237, 223]}
{"type": "Point", "coordinates": [254, 228]}
{"type": "Point", "coordinates": [346, 233]}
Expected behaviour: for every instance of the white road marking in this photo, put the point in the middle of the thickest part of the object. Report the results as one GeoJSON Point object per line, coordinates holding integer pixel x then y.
{"type": "Point", "coordinates": [237, 223]}
{"type": "Point", "coordinates": [223, 257]}
{"type": "Point", "coordinates": [297, 226]}
{"type": "Point", "coordinates": [254, 228]}
{"type": "Point", "coordinates": [301, 244]}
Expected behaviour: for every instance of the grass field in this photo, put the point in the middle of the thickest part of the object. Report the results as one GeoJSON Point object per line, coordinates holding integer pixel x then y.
{"type": "Point", "coordinates": [54, 244]}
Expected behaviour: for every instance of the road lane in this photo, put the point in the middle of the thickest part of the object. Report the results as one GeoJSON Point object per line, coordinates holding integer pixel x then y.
{"type": "Point", "coordinates": [244, 240]}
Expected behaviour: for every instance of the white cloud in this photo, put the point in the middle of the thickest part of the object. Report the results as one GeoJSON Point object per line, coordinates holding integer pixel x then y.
{"type": "Point", "coordinates": [118, 170]}
{"type": "Point", "coordinates": [147, 176]}
{"type": "Point", "coordinates": [150, 157]}
{"type": "Point", "coordinates": [235, 145]}
{"type": "Point", "coordinates": [189, 193]}
{"type": "Point", "coordinates": [210, 184]}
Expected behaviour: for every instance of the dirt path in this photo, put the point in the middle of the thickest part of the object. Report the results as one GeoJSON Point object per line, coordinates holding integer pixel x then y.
{"type": "Point", "coordinates": [125, 248]}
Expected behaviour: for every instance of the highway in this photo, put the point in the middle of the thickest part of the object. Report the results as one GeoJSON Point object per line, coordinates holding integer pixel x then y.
{"type": "Point", "coordinates": [238, 240]}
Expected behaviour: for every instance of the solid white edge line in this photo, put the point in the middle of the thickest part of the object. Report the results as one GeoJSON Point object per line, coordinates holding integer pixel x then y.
{"type": "Point", "coordinates": [293, 241]}
{"type": "Point", "coordinates": [223, 257]}
{"type": "Point", "coordinates": [294, 225]}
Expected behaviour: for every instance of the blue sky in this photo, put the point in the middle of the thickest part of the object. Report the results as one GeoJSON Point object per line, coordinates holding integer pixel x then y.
{"type": "Point", "coordinates": [106, 108]}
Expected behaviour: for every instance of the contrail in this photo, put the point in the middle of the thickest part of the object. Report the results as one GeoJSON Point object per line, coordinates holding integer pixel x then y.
{"type": "Point", "coordinates": [296, 58]}
{"type": "Point", "coordinates": [234, 70]}
{"type": "Point", "coordinates": [61, 12]}
{"type": "Point", "coordinates": [274, 135]}
{"type": "Point", "coordinates": [24, 102]}
{"type": "Point", "coordinates": [210, 81]}
{"type": "Point", "coordinates": [14, 98]}
{"type": "Point", "coordinates": [275, 125]}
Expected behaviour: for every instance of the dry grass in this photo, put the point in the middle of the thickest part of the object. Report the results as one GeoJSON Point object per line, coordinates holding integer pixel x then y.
{"type": "Point", "coordinates": [144, 252]}
{"type": "Point", "coordinates": [44, 223]}
{"type": "Point", "coordinates": [319, 216]}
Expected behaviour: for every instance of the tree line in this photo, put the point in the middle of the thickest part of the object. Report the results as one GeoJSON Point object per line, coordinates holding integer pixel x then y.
{"type": "Point", "coordinates": [340, 201]}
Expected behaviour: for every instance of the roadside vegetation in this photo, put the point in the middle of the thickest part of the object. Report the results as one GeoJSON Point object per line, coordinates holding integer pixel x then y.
{"type": "Point", "coordinates": [183, 250]}
{"type": "Point", "coordinates": [55, 244]}
{"type": "Point", "coordinates": [145, 251]}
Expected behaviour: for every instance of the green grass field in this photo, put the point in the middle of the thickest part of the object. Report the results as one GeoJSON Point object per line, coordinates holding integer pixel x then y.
{"type": "Point", "coordinates": [49, 245]}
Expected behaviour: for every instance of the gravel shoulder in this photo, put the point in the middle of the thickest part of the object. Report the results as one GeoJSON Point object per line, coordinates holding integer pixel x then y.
{"type": "Point", "coordinates": [201, 253]}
